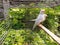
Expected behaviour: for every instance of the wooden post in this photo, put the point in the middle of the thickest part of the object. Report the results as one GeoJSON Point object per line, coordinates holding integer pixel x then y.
{"type": "Point", "coordinates": [57, 39]}
{"type": "Point", "coordinates": [6, 8]}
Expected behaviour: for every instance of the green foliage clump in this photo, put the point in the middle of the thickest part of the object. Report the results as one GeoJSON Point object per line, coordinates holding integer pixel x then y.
{"type": "Point", "coordinates": [18, 15]}
{"type": "Point", "coordinates": [25, 14]}
{"type": "Point", "coordinates": [28, 37]}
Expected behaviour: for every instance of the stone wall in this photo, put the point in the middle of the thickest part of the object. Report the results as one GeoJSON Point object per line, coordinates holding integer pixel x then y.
{"type": "Point", "coordinates": [50, 3]}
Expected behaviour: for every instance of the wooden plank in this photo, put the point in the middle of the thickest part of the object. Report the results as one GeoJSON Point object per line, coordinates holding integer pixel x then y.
{"type": "Point", "coordinates": [56, 38]}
